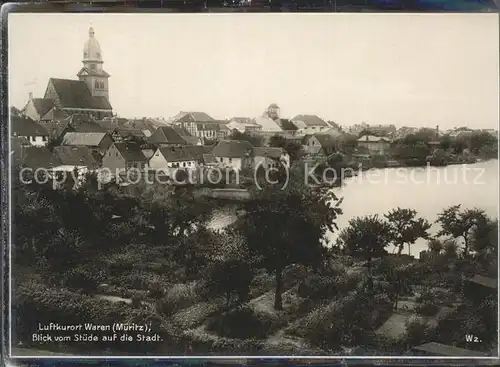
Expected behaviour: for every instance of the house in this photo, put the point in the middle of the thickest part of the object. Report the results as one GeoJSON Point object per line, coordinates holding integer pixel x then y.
{"type": "Point", "coordinates": [288, 127]}
{"type": "Point", "coordinates": [198, 124]}
{"type": "Point", "coordinates": [37, 157]}
{"type": "Point", "coordinates": [184, 134]}
{"type": "Point", "coordinates": [374, 144]}
{"type": "Point", "coordinates": [36, 108]}
{"type": "Point", "coordinates": [443, 350]}
{"type": "Point", "coordinates": [382, 130]}
{"type": "Point", "coordinates": [98, 142]}
{"type": "Point", "coordinates": [166, 136]}
{"type": "Point", "coordinates": [57, 130]}
{"type": "Point", "coordinates": [25, 127]}
{"type": "Point", "coordinates": [169, 159]}
{"type": "Point", "coordinates": [243, 125]}
{"type": "Point", "coordinates": [478, 288]}
{"type": "Point", "coordinates": [320, 146]}
{"type": "Point", "coordinates": [82, 123]}
{"type": "Point", "coordinates": [309, 124]}
{"type": "Point", "coordinates": [54, 115]}
{"type": "Point", "coordinates": [224, 131]}
{"type": "Point", "coordinates": [121, 157]}
{"type": "Point", "coordinates": [235, 154]}
{"type": "Point", "coordinates": [268, 157]}
{"type": "Point", "coordinates": [121, 134]}
{"type": "Point", "coordinates": [268, 126]}
{"type": "Point", "coordinates": [77, 157]}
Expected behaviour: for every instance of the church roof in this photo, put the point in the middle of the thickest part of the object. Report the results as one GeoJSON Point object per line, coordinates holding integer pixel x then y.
{"type": "Point", "coordinates": [42, 105]}
{"type": "Point", "coordinates": [93, 72]}
{"type": "Point", "coordinates": [92, 49]}
{"type": "Point", "coordinates": [75, 94]}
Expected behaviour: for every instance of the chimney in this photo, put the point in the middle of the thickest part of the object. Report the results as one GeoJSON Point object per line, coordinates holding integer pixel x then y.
{"type": "Point", "coordinates": [30, 95]}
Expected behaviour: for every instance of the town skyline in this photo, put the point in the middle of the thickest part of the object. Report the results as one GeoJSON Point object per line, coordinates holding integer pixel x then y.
{"type": "Point", "coordinates": [456, 81]}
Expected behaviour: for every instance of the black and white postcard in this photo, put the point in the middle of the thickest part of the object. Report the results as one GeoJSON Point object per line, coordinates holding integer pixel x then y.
{"type": "Point", "coordinates": [219, 185]}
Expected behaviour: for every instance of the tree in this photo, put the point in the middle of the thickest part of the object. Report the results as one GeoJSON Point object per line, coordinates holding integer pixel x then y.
{"type": "Point", "coordinates": [255, 140]}
{"type": "Point", "coordinates": [450, 248]}
{"type": "Point", "coordinates": [287, 226]}
{"type": "Point", "coordinates": [230, 278]}
{"type": "Point", "coordinates": [406, 228]}
{"type": "Point", "coordinates": [293, 148]}
{"type": "Point", "coordinates": [459, 224]}
{"type": "Point", "coordinates": [366, 237]}
{"type": "Point", "coordinates": [435, 245]}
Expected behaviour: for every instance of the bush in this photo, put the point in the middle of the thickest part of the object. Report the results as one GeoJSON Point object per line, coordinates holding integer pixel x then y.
{"type": "Point", "coordinates": [319, 287]}
{"type": "Point", "coordinates": [427, 308]}
{"type": "Point", "coordinates": [179, 296]}
{"type": "Point", "coordinates": [417, 331]}
{"type": "Point", "coordinates": [81, 279]}
{"type": "Point", "coordinates": [241, 323]}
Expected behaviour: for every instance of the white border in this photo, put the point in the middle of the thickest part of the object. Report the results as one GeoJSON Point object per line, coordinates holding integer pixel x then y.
{"type": "Point", "coordinates": [333, 358]}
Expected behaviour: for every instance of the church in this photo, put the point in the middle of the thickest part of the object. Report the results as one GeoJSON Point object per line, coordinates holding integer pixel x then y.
{"type": "Point", "coordinates": [88, 95]}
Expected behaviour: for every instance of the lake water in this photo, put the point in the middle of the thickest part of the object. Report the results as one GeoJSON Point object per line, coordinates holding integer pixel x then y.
{"type": "Point", "coordinates": [427, 190]}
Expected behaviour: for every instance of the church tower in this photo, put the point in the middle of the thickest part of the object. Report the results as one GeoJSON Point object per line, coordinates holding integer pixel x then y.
{"type": "Point", "coordinates": [92, 72]}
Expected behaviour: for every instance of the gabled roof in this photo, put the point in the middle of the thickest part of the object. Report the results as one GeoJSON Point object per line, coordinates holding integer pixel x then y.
{"type": "Point", "coordinates": [193, 117]}
{"type": "Point", "coordinates": [326, 140]}
{"type": "Point", "coordinates": [24, 126]}
{"type": "Point", "coordinates": [287, 125]}
{"type": "Point", "coordinates": [42, 105]}
{"type": "Point", "coordinates": [124, 132]}
{"type": "Point", "coordinates": [183, 154]}
{"type": "Point", "coordinates": [484, 281]}
{"type": "Point", "coordinates": [310, 120]}
{"type": "Point", "coordinates": [84, 139]}
{"type": "Point", "coordinates": [54, 114]}
{"type": "Point", "coordinates": [268, 124]}
{"type": "Point", "coordinates": [108, 125]}
{"type": "Point", "coordinates": [181, 131]}
{"type": "Point", "coordinates": [243, 120]}
{"type": "Point", "coordinates": [166, 135]}
{"type": "Point", "coordinates": [209, 159]}
{"type": "Point", "coordinates": [130, 152]}
{"type": "Point", "coordinates": [232, 149]}
{"type": "Point", "coordinates": [192, 140]}
{"type": "Point", "coordinates": [76, 156]}
{"type": "Point", "coordinates": [75, 94]}
{"type": "Point", "coordinates": [271, 152]}
{"type": "Point", "coordinates": [56, 129]}
{"type": "Point", "coordinates": [93, 72]}
{"type": "Point", "coordinates": [39, 157]}
{"type": "Point", "coordinates": [372, 138]}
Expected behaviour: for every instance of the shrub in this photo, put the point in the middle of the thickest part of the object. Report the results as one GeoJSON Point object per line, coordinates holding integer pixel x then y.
{"type": "Point", "coordinates": [427, 308]}
{"type": "Point", "coordinates": [417, 331]}
{"type": "Point", "coordinates": [241, 323]}
{"type": "Point", "coordinates": [81, 279]}
{"type": "Point", "coordinates": [179, 296]}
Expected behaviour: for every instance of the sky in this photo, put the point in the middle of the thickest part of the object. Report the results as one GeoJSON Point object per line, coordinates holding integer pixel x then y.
{"type": "Point", "coordinates": [403, 69]}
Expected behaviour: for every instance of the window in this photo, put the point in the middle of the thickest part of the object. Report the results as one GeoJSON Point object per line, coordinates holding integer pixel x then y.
{"type": "Point", "coordinates": [184, 164]}
{"type": "Point", "coordinates": [116, 154]}
{"type": "Point", "coordinates": [44, 138]}
{"type": "Point", "coordinates": [96, 84]}
{"type": "Point", "coordinates": [230, 160]}
{"type": "Point", "coordinates": [109, 154]}
{"type": "Point", "coordinates": [92, 66]}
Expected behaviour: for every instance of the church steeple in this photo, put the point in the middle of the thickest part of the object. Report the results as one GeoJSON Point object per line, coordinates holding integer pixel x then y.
{"type": "Point", "coordinates": [92, 72]}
